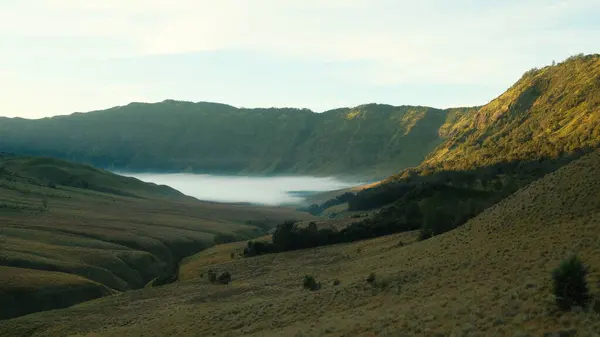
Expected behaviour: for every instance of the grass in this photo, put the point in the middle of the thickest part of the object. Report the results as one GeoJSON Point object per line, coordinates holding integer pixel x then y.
{"type": "Point", "coordinates": [23, 291]}
{"type": "Point", "coordinates": [113, 241]}
{"type": "Point", "coordinates": [490, 277]}
{"type": "Point", "coordinates": [50, 172]}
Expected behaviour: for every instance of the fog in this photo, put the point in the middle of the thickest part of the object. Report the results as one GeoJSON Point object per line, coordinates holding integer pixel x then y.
{"type": "Point", "coordinates": [256, 190]}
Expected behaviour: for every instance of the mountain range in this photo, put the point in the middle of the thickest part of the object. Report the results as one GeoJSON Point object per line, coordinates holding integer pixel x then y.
{"type": "Point", "coordinates": [371, 140]}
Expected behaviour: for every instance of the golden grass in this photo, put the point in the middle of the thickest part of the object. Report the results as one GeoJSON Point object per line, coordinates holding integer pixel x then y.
{"type": "Point", "coordinates": [115, 241]}
{"type": "Point", "coordinates": [490, 277]}
{"type": "Point", "coordinates": [23, 278]}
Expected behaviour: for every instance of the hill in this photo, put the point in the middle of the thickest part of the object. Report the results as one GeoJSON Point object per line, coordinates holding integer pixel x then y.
{"type": "Point", "coordinates": [69, 232]}
{"type": "Point", "coordinates": [370, 140]}
{"type": "Point", "coordinates": [491, 277]}
{"type": "Point", "coordinates": [546, 119]}
{"type": "Point", "coordinates": [550, 112]}
{"type": "Point", "coordinates": [52, 172]}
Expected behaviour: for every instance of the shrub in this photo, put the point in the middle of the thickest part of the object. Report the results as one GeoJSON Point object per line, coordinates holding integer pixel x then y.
{"type": "Point", "coordinates": [336, 282]}
{"type": "Point", "coordinates": [224, 277]}
{"type": "Point", "coordinates": [310, 283]}
{"type": "Point", "coordinates": [258, 248]}
{"type": "Point", "coordinates": [371, 278]}
{"type": "Point", "coordinates": [212, 276]}
{"type": "Point", "coordinates": [570, 288]}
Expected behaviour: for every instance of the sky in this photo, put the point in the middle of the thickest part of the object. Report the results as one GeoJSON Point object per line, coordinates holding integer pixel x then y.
{"type": "Point", "coordinates": [63, 56]}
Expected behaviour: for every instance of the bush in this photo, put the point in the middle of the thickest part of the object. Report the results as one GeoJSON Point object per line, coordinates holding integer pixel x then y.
{"type": "Point", "coordinates": [371, 278]}
{"type": "Point", "coordinates": [212, 276]}
{"type": "Point", "coordinates": [570, 288]}
{"type": "Point", "coordinates": [310, 283]}
{"type": "Point", "coordinates": [258, 248]}
{"type": "Point", "coordinates": [336, 282]}
{"type": "Point", "coordinates": [224, 277]}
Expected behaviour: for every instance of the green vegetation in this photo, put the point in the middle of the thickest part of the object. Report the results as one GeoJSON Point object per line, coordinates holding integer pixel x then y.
{"type": "Point", "coordinates": [570, 286]}
{"type": "Point", "coordinates": [368, 140]}
{"type": "Point", "coordinates": [309, 283]}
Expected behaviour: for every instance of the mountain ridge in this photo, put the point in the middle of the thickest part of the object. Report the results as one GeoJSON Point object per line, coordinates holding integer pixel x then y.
{"type": "Point", "coordinates": [372, 140]}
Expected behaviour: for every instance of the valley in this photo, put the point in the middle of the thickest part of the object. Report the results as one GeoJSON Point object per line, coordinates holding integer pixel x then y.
{"type": "Point", "coordinates": [372, 220]}
{"type": "Point", "coordinates": [489, 277]}
{"type": "Point", "coordinates": [54, 236]}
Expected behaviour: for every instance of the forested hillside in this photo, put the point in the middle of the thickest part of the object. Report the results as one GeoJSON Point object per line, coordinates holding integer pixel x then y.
{"type": "Point", "coordinates": [369, 140]}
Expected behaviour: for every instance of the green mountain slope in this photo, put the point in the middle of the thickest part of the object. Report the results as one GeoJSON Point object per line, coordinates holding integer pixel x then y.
{"type": "Point", "coordinates": [374, 140]}
{"type": "Point", "coordinates": [550, 117]}
{"type": "Point", "coordinates": [549, 113]}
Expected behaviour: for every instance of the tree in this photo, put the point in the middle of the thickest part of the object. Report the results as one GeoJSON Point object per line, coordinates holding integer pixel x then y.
{"type": "Point", "coordinates": [283, 237]}
{"type": "Point", "coordinates": [570, 287]}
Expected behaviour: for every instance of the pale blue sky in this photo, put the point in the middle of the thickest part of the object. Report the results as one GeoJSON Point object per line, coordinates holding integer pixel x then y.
{"type": "Point", "coordinates": [63, 56]}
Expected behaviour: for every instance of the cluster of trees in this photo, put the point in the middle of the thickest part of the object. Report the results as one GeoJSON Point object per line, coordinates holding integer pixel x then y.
{"type": "Point", "coordinates": [431, 208]}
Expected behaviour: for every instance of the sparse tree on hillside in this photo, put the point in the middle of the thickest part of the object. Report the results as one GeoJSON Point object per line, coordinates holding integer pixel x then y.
{"type": "Point", "coordinates": [570, 287]}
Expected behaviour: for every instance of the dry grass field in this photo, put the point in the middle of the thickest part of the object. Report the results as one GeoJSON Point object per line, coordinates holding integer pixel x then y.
{"type": "Point", "coordinates": [490, 277]}
{"type": "Point", "coordinates": [103, 241]}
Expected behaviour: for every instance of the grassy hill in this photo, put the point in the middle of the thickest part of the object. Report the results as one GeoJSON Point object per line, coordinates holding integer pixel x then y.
{"type": "Point", "coordinates": [546, 119]}
{"type": "Point", "coordinates": [51, 172]}
{"type": "Point", "coordinates": [368, 140]}
{"type": "Point", "coordinates": [491, 277]}
{"type": "Point", "coordinates": [69, 232]}
{"type": "Point", "coordinates": [550, 112]}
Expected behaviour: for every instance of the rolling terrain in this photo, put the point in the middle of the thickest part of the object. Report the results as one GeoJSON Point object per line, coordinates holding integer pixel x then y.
{"type": "Point", "coordinates": [490, 277]}
{"type": "Point", "coordinates": [69, 232]}
{"type": "Point", "coordinates": [371, 140]}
